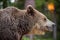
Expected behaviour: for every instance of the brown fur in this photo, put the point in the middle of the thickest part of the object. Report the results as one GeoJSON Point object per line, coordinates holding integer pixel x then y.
{"type": "Point", "coordinates": [14, 23]}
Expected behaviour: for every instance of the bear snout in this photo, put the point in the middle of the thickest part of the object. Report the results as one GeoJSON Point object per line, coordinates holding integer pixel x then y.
{"type": "Point", "coordinates": [50, 28]}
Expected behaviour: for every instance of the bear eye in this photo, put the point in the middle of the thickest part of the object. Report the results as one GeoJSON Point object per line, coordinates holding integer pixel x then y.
{"type": "Point", "coordinates": [44, 19]}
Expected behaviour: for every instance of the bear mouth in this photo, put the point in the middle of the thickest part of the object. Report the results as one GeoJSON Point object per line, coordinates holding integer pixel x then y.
{"type": "Point", "coordinates": [46, 29]}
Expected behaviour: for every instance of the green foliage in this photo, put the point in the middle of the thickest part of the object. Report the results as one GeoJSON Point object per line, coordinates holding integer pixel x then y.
{"type": "Point", "coordinates": [39, 4]}
{"type": "Point", "coordinates": [20, 4]}
{"type": "Point", "coordinates": [26, 38]}
{"type": "Point", "coordinates": [57, 5]}
{"type": "Point", "coordinates": [37, 37]}
{"type": "Point", "coordinates": [0, 0]}
{"type": "Point", "coordinates": [58, 35]}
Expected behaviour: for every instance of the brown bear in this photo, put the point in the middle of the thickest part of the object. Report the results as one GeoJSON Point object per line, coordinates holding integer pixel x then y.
{"type": "Point", "coordinates": [14, 23]}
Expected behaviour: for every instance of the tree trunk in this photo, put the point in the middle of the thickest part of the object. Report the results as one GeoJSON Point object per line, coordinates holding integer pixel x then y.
{"type": "Point", "coordinates": [4, 3]}
{"type": "Point", "coordinates": [29, 2]}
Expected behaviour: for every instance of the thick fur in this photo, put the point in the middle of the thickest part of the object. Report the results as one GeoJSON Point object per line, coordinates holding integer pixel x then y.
{"type": "Point", "coordinates": [14, 23]}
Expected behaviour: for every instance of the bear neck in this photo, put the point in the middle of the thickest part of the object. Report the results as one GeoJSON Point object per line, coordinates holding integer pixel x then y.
{"type": "Point", "coordinates": [26, 23]}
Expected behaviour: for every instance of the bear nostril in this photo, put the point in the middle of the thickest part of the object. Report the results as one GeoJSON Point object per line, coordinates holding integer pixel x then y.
{"type": "Point", "coordinates": [53, 25]}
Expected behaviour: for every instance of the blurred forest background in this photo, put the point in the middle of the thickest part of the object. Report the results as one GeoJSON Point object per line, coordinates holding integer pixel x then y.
{"type": "Point", "coordinates": [40, 5]}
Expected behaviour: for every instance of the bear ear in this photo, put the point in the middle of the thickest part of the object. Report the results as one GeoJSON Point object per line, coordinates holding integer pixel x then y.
{"type": "Point", "coordinates": [30, 10]}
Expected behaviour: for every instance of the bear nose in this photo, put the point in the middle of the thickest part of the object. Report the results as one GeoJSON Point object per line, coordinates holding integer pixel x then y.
{"type": "Point", "coordinates": [50, 28]}
{"type": "Point", "coordinates": [53, 25]}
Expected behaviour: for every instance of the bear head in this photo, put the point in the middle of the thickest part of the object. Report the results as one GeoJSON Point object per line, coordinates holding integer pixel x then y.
{"type": "Point", "coordinates": [42, 23]}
